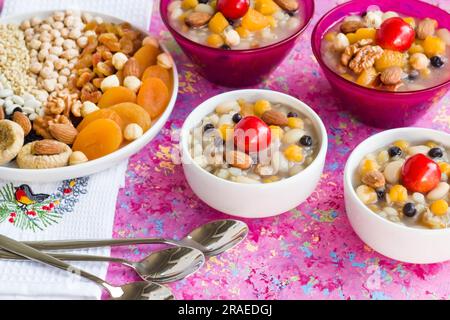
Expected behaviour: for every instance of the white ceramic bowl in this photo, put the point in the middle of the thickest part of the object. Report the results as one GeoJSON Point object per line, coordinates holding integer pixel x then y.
{"type": "Point", "coordinates": [393, 240]}
{"type": "Point", "coordinates": [252, 200]}
{"type": "Point", "coordinates": [48, 175]}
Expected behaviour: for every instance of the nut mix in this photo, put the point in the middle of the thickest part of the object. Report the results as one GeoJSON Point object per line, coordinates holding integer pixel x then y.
{"type": "Point", "coordinates": [74, 88]}
{"type": "Point", "coordinates": [407, 183]}
{"type": "Point", "coordinates": [236, 24]}
{"type": "Point", "coordinates": [387, 51]}
{"type": "Point", "coordinates": [254, 142]}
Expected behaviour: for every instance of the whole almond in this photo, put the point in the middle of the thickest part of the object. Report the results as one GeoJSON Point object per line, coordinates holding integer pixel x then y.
{"type": "Point", "coordinates": [47, 147]}
{"type": "Point", "coordinates": [288, 5]}
{"type": "Point", "coordinates": [273, 117]}
{"type": "Point", "coordinates": [374, 179]}
{"type": "Point", "coordinates": [2, 113]}
{"type": "Point", "coordinates": [64, 133]}
{"type": "Point", "coordinates": [22, 120]}
{"type": "Point", "coordinates": [132, 68]}
{"type": "Point", "coordinates": [239, 159]}
{"type": "Point", "coordinates": [197, 19]}
{"type": "Point", "coordinates": [351, 26]}
{"type": "Point", "coordinates": [426, 28]}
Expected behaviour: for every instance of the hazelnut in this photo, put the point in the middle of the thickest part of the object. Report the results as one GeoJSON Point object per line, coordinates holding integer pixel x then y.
{"type": "Point", "coordinates": [110, 82]}
{"type": "Point", "coordinates": [132, 132]}
{"type": "Point", "coordinates": [419, 61]}
{"type": "Point", "coordinates": [77, 157]}
{"type": "Point", "coordinates": [87, 108]}
{"type": "Point", "coordinates": [391, 75]}
{"type": "Point", "coordinates": [165, 61]}
{"type": "Point", "coordinates": [119, 60]}
{"type": "Point", "coordinates": [133, 83]}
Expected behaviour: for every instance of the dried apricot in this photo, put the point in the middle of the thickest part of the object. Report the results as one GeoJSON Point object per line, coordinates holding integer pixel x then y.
{"type": "Point", "coordinates": [101, 114]}
{"type": "Point", "coordinates": [132, 113]}
{"type": "Point", "coordinates": [159, 72]}
{"type": "Point", "coordinates": [146, 56]}
{"type": "Point", "coordinates": [99, 138]}
{"type": "Point", "coordinates": [115, 96]}
{"type": "Point", "coordinates": [153, 96]}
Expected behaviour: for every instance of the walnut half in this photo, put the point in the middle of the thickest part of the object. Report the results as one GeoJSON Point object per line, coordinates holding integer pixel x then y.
{"type": "Point", "coordinates": [361, 55]}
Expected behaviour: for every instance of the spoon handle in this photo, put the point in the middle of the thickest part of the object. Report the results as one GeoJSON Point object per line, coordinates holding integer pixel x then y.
{"type": "Point", "coordinates": [68, 257]}
{"type": "Point", "coordinates": [82, 244]}
{"type": "Point", "coordinates": [38, 256]}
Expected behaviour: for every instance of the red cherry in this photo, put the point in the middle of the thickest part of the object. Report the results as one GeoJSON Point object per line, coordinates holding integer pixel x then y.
{"type": "Point", "coordinates": [420, 174]}
{"type": "Point", "coordinates": [233, 9]}
{"type": "Point", "coordinates": [395, 34]}
{"type": "Point", "coordinates": [251, 134]}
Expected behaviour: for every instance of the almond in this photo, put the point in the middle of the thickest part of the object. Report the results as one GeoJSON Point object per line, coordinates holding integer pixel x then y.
{"type": "Point", "coordinates": [22, 120]}
{"type": "Point", "coordinates": [197, 19]}
{"type": "Point", "coordinates": [47, 147]}
{"type": "Point", "coordinates": [273, 117]}
{"type": "Point", "coordinates": [64, 133]}
{"type": "Point", "coordinates": [374, 179]}
{"type": "Point", "coordinates": [132, 68]}
{"type": "Point", "coordinates": [2, 113]}
{"type": "Point", "coordinates": [239, 159]}
{"type": "Point", "coordinates": [288, 5]}
{"type": "Point", "coordinates": [351, 26]}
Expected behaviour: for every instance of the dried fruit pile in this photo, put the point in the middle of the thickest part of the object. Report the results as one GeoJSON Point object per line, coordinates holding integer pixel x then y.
{"type": "Point", "coordinates": [235, 24]}
{"type": "Point", "coordinates": [385, 51]}
{"type": "Point", "coordinates": [260, 142]}
{"type": "Point", "coordinates": [83, 89]}
{"type": "Point", "coordinates": [407, 184]}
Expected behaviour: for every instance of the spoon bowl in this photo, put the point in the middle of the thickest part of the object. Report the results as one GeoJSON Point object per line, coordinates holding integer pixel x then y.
{"type": "Point", "coordinates": [217, 236]}
{"type": "Point", "coordinates": [163, 266]}
{"type": "Point", "coordinates": [140, 290]}
{"type": "Point", "coordinates": [169, 265]}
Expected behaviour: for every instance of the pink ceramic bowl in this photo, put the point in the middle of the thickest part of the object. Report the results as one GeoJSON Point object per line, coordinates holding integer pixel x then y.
{"type": "Point", "coordinates": [381, 108]}
{"type": "Point", "coordinates": [237, 68]}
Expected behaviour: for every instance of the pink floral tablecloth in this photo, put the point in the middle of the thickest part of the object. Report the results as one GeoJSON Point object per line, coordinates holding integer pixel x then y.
{"type": "Point", "coordinates": [310, 252]}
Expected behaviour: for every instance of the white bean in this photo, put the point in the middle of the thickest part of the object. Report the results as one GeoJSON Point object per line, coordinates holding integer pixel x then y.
{"type": "Point", "coordinates": [293, 136]}
{"type": "Point", "coordinates": [418, 149]}
{"type": "Point", "coordinates": [392, 171]}
{"type": "Point", "coordinates": [243, 179]}
{"type": "Point", "coordinates": [227, 107]}
{"type": "Point", "coordinates": [366, 194]}
{"type": "Point", "coordinates": [439, 192]}
{"type": "Point", "coordinates": [418, 197]}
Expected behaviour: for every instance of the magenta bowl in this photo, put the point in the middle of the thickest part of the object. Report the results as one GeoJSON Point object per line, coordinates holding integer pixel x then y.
{"type": "Point", "coordinates": [381, 108]}
{"type": "Point", "coordinates": [237, 68]}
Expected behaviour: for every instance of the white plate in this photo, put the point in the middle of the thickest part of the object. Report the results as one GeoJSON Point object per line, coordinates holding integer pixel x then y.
{"type": "Point", "coordinates": [85, 169]}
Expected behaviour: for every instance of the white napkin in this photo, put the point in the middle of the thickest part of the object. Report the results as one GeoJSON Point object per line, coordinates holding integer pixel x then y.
{"type": "Point", "coordinates": [83, 208]}
{"type": "Point", "coordinates": [78, 209]}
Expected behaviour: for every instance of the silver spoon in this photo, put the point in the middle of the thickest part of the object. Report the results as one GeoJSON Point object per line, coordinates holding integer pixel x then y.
{"type": "Point", "coordinates": [141, 290]}
{"type": "Point", "coordinates": [168, 265]}
{"type": "Point", "coordinates": [212, 239]}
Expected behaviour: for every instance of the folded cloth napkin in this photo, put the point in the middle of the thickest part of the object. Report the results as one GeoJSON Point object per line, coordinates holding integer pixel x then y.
{"type": "Point", "coordinates": [81, 208]}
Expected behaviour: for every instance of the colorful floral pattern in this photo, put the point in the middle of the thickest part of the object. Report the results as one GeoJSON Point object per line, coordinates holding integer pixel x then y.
{"type": "Point", "coordinates": [40, 214]}
{"type": "Point", "coordinates": [310, 252]}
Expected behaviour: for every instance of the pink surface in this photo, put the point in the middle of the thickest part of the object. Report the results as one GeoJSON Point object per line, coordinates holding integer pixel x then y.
{"type": "Point", "coordinates": [308, 253]}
